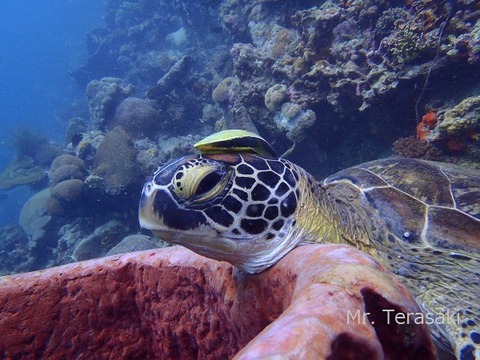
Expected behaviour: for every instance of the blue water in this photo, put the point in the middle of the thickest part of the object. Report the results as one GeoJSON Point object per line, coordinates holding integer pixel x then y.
{"type": "Point", "coordinates": [40, 42]}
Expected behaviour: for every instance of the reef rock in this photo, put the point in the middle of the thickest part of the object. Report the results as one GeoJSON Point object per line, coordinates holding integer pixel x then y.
{"type": "Point", "coordinates": [138, 117]}
{"type": "Point", "coordinates": [174, 77]}
{"type": "Point", "coordinates": [172, 303]}
{"type": "Point", "coordinates": [463, 120]}
{"type": "Point", "coordinates": [295, 120]}
{"type": "Point", "coordinates": [103, 98]}
{"type": "Point", "coordinates": [100, 241]}
{"type": "Point", "coordinates": [35, 217]}
{"type": "Point", "coordinates": [21, 171]}
{"type": "Point", "coordinates": [115, 161]}
{"type": "Point", "coordinates": [137, 242]}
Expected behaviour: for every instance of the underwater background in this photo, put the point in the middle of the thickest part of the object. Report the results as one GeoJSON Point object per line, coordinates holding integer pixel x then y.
{"type": "Point", "coordinates": [41, 42]}
{"type": "Point", "coordinates": [96, 95]}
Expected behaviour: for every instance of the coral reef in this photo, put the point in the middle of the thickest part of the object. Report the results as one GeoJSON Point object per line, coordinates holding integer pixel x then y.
{"type": "Point", "coordinates": [461, 121]}
{"type": "Point", "coordinates": [295, 120]}
{"type": "Point", "coordinates": [67, 175]}
{"type": "Point", "coordinates": [455, 129]}
{"type": "Point", "coordinates": [172, 78]}
{"type": "Point", "coordinates": [66, 167]}
{"type": "Point", "coordinates": [416, 148]}
{"type": "Point", "coordinates": [138, 117]}
{"type": "Point", "coordinates": [35, 220]}
{"type": "Point", "coordinates": [68, 190]}
{"type": "Point", "coordinates": [75, 128]}
{"type": "Point", "coordinates": [341, 79]}
{"type": "Point", "coordinates": [349, 62]}
{"type": "Point", "coordinates": [177, 38]}
{"type": "Point", "coordinates": [27, 143]}
{"type": "Point", "coordinates": [14, 251]}
{"type": "Point", "coordinates": [34, 153]}
{"type": "Point", "coordinates": [428, 123]}
{"type": "Point", "coordinates": [134, 243]}
{"type": "Point", "coordinates": [103, 96]}
{"type": "Point", "coordinates": [175, 303]}
{"type": "Point", "coordinates": [100, 241]}
{"type": "Point", "coordinates": [275, 97]}
{"type": "Point", "coordinates": [22, 171]}
{"type": "Point", "coordinates": [115, 161]}
{"type": "Point", "coordinates": [226, 90]}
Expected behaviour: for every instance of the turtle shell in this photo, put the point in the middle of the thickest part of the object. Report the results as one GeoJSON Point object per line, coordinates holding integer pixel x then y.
{"type": "Point", "coordinates": [436, 204]}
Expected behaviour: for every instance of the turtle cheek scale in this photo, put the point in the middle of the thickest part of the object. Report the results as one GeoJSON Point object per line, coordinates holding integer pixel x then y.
{"type": "Point", "coordinates": [159, 213]}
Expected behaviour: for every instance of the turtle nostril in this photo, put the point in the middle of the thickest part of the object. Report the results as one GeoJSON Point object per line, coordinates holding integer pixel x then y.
{"type": "Point", "coordinates": [148, 189]}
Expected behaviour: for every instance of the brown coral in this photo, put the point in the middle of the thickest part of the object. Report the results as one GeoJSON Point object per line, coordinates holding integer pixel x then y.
{"type": "Point", "coordinates": [137, 116]}
{"type": "Point", "coordinates": [115, 161]}
{"type": "Point", "coordinates": [66, 172]}
{"type": "Point", "coordinates": [67, 160]}
{"type": "Point", "coordinates": [222, 93]}
{"type": "Point", "coordinates": [416, 148]}
{"type": "Point", "coordinates": [68, 190]}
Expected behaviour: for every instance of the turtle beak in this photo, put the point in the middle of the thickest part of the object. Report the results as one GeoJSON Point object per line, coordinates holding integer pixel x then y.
{"type": "Point", "coordinates": [147, 217]}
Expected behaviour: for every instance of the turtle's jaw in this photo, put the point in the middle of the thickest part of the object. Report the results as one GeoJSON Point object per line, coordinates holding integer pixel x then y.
{"type": "Point", "coordinates": [251, 255]}
{"type": "Point", "coordinates": [237, 252]}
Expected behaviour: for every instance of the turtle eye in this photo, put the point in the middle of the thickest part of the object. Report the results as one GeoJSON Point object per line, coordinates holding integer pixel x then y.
{"type": "Point", "coordinates": [209, 182]}
{"type": "Point", "coordinates": [200, 182]}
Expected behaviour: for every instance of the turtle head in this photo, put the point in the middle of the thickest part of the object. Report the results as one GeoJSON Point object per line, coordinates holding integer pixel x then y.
{"type": "Point", "coordinates": [235, 207]}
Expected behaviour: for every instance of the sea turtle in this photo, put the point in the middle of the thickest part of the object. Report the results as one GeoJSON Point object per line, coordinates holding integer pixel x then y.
{"type": "Point", "coordinates": [419, 218]}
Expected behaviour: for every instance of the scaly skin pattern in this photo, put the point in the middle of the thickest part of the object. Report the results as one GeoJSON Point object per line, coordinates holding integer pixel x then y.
{"type": "Point", "coordinates": [421, 219]}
